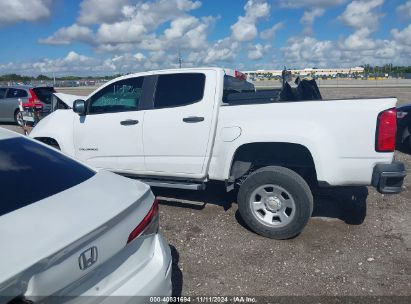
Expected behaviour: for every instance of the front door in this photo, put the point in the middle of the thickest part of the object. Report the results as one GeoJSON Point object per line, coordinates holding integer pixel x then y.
{"type": "Point", "coordinates": [178, 131]}
{"type": "Point", "coordinates": [110, 135]}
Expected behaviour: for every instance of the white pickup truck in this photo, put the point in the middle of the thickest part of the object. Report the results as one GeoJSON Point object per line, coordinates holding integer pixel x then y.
{"type": "Point", "coordinates": [183, 128]}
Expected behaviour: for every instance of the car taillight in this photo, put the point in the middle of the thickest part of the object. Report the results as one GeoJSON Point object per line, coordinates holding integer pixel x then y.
{"type": "Point", "coordinates": [148, 225]}
{"type": "Point", "coordinates": [33, 98]}
{"type": "Point", "coordinates": [33, 101]}
{"type": "Point", "coordinates": [386, 131]}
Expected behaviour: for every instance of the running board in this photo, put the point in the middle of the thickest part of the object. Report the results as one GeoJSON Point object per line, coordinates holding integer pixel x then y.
{"type": "Point", "coordinates": [174, 184]}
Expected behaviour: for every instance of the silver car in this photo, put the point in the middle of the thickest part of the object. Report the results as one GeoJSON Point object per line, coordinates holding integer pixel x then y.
{"type": "Point", "coordinates": [11, 96]}
{"type": "Point", "coordinates": [67, 230]}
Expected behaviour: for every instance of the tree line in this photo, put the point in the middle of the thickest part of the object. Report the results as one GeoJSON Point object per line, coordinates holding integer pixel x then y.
{"type": "Point", "coordinates": [41, 77]}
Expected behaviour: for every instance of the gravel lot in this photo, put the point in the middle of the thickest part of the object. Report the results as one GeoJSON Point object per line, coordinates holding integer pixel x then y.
{"type": "Point", "coordinates": [357, 243]}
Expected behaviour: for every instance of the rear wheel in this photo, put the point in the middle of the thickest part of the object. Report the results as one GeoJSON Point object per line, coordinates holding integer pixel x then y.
{"type": "Point", "coordinates": [18, 117]}
{"type": "Point", "coordinates": [275, 202]}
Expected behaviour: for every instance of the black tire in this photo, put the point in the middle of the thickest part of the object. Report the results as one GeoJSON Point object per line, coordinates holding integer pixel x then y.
{"type": "Point", "coordinates": [287, 179]}
{"type": "Point", "coordinates": [18, 122]}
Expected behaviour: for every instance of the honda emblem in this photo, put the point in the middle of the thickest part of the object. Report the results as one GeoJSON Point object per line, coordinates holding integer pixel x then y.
{"type": "Point", "coordinates": [87, 258]}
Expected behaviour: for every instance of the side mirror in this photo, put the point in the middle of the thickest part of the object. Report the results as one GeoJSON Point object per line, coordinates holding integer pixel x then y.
{"type": "Point", "coordinates": [79, 107]}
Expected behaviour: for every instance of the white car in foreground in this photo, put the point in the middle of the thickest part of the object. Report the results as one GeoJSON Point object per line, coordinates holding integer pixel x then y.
{"type": "Point", "coordinates": [67, 230]}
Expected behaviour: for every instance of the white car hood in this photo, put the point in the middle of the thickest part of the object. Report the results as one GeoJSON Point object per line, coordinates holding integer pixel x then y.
{"type": "Point", "coordinates": [68, 99]}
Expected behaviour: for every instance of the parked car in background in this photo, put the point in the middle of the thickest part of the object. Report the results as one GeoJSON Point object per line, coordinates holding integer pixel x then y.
{"type": "Point", "coordinates": [11, 96]}
{"type": "Point", "coordinates": [67, 230]}
{"type": "Point", "coordinates": [404, 125]}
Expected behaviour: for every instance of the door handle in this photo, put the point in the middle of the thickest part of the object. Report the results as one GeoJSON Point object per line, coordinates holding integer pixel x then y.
{"type": "Point", "coordinates": [193, 119]}
{"type": "Point", "coordinates": [128, 122]}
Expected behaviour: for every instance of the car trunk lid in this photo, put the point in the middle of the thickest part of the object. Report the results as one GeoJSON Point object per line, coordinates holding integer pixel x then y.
{"type": "Point", "coordinates": [64, 237]}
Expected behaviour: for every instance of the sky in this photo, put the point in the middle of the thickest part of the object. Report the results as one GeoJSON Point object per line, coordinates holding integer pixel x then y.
{"type": "Point", "coordinates": [105, 37]}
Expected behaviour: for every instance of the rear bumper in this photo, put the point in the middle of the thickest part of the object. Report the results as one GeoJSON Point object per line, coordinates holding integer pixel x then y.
{"type": "Point", "coordinates": [388, 178]}
{"type": "Point", "coordinates": [132, 282]}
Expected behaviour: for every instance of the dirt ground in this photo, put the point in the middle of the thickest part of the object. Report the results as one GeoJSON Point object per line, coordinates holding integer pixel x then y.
{"type": "Point", "coordinates": [358, 242]}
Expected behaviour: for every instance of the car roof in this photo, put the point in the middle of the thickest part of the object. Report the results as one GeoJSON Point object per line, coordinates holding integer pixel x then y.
{"type": "Point", "coordinates": [25, 86]}
{"type": "Point", "coordinates": [7, 134]}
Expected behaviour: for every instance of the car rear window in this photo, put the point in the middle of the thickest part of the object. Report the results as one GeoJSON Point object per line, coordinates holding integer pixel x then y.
{"type": "Point", "coordinates": [44, 94]}
{"type": "Point", "coordinates": [30, 172]}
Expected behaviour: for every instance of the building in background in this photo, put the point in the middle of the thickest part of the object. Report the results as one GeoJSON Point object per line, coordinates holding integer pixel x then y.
{"type": "Point", "coordinates": [355, 72]}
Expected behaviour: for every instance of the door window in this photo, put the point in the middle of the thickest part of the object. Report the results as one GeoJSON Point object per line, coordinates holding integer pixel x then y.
{"type": "Point", "coordinates": [16, 93]}
{"type": "Point", "coordinates": [175, 90]}
{"type": "Point", "coordinates": [123, 95]}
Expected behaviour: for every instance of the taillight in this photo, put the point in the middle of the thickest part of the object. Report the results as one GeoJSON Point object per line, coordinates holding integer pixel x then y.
{"type": "Point", "coordinates": [33, 98]}
{"type": "Point", "coordinates": [148, 225]}
{"type": "Point", "coordinates": [33, 101]}
{"type": "Point", "coordinates": [386, 131]}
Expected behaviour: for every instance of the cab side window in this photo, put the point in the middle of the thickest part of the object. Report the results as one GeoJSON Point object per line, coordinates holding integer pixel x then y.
{"type": "Point", "coordinates": [176, 90]}
{"type": "Point", "coordinates": [121, 96]}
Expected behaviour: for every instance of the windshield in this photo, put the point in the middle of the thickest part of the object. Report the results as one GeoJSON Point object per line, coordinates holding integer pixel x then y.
{"type": "Point", "coordinates": [30, 172]}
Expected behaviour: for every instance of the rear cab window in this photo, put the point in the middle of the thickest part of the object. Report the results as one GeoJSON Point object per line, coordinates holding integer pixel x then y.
{"type": "Point", "coordinates": [30, 172]}
{"type": "Point", "coordinates": [236, 85]}
{"type": "Point", "coordinates": [176, 90]}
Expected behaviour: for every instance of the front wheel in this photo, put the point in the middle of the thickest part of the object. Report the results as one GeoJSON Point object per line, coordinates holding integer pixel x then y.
{"type": "Point", "coordinates": [275, 202]}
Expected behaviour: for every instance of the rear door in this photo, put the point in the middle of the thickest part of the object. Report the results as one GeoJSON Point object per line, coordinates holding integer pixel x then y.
{"type": "Point", "coordinates": [178, 130]}
{"type": "Point", "coordinates": [110, 135]}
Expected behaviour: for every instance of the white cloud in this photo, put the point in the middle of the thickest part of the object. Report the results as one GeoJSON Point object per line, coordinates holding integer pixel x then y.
{"type": "Point", "coordinates": [101, 11]}
{"type": "Point", "coordinates": [14, 11]}
{"type": "Point", "coordinates": [271, 32]}
{"type": "Point", "coordinates": [127, 25]}
{"type": "Point", "coordinates": [66, 35]}
{"type": "Point", "coordinates": [405, 9]}
{"type": "Point", "coordinates": [309, 3]}
{"type": "Point", "coordinates": [310, 15]}
{"type": "Point", "coordinates": [361, 14]}
{"type": "Point", "coordinates": [256, 52]}
{"type": "Point", "coordinates": [222, 50]}
{"type": "Point", "coordinates": [403, 37]}
{"type": "Point", "coordinates": [309, 52]}
{"type": "Point", "coordinates": [245, 29]}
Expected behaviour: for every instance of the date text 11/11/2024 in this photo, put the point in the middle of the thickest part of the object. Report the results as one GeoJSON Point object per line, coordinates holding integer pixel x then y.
{"type": "Point", "coordinates": [204, 299]}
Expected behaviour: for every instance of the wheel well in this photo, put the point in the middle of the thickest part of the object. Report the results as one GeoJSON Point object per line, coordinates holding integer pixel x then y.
{"type": "Point", "coordinates": [48, 141]}
{"type": "Point", "coordinates": [250, 157]}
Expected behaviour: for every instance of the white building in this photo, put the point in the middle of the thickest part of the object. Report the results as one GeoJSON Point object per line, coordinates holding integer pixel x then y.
{"type": "Point", "coordinates": [310, 72]}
